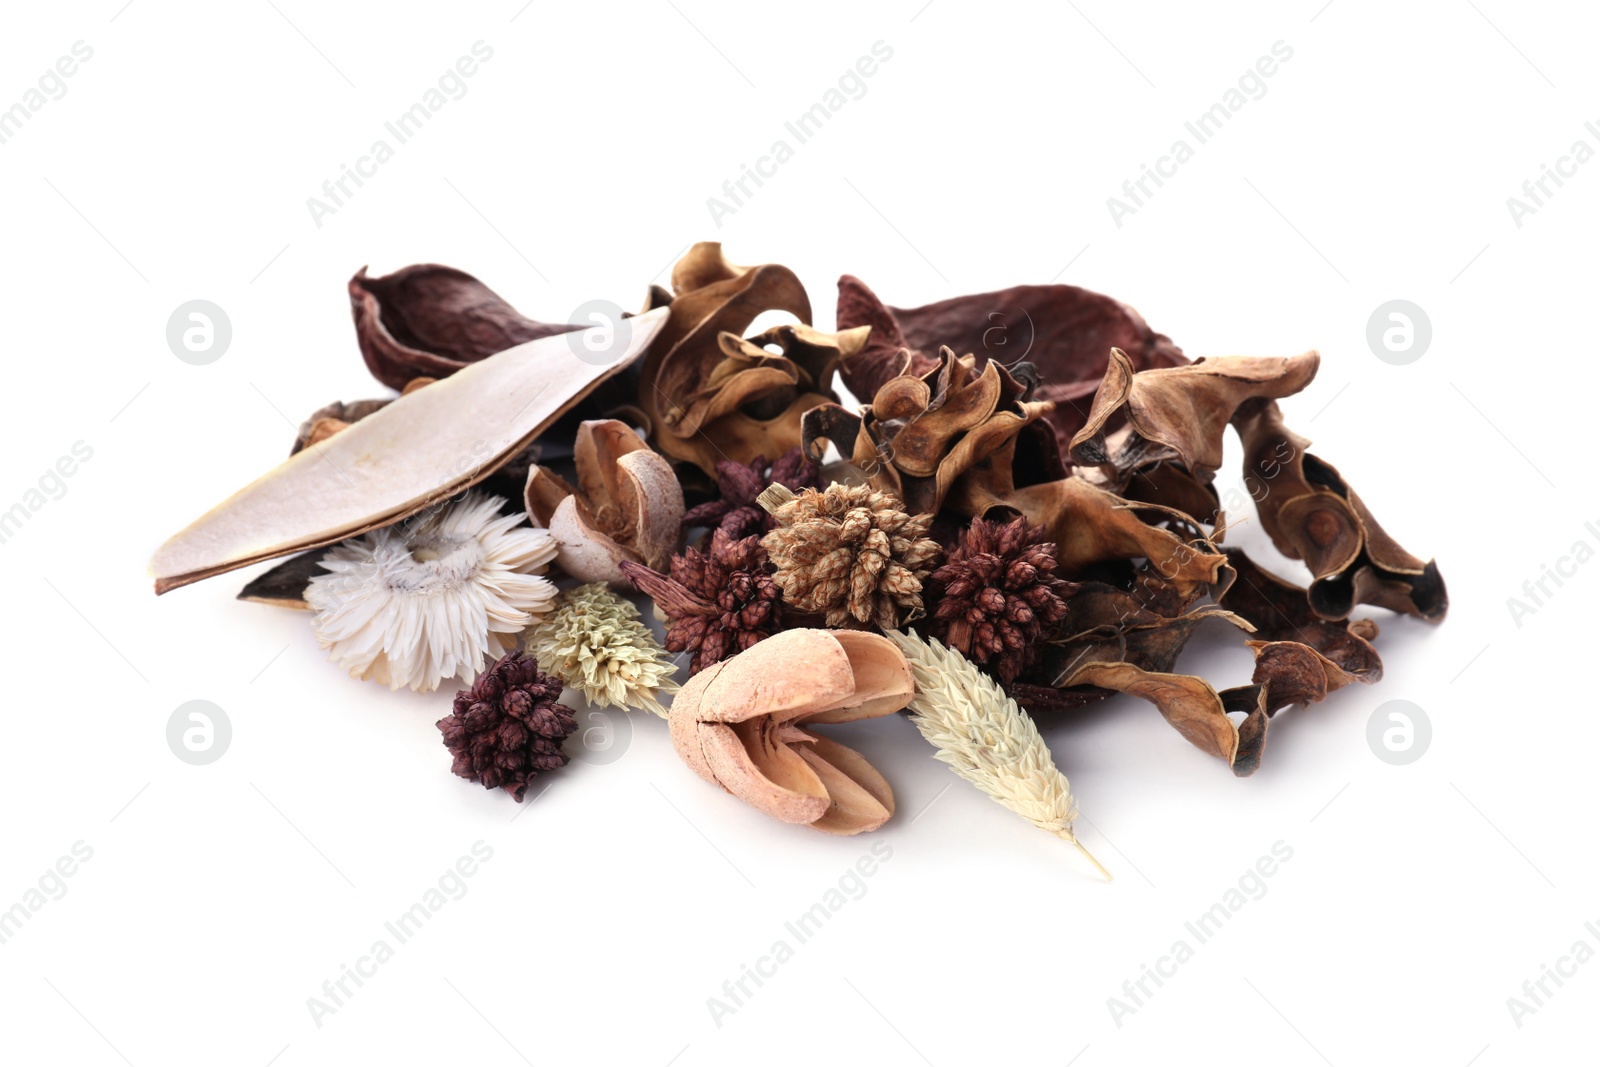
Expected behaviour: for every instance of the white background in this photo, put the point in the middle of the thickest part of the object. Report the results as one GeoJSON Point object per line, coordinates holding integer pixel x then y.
{"type": "Point", "coordinates": [578, 165]}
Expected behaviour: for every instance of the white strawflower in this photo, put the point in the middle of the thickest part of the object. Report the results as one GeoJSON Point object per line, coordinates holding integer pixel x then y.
{"type": "Point", "coordinates": [428, 599]}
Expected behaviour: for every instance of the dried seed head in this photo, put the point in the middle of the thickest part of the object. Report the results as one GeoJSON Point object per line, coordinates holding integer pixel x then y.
{"type": "Point", "coordinates": [849, 553]}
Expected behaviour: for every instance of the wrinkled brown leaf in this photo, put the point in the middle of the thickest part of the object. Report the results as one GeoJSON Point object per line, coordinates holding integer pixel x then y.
{"type": "Point", "coordinates": [1065, 332]}
{"type": "Point", "coordinates": [919, 435]}
{"type": "Point", "coordinates": [1092, 526]}
{"type": "Point", "coordinates": [1280, 612]}
{"type": "Point", "coordinates": [1312, 514]}
{"type": "Point", "coordinates": [1177, 413]}
{"type": "Point", "coordinates": [712, 395]}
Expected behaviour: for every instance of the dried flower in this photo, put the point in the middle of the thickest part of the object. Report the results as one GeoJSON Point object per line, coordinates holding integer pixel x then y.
{"type": "Point", "coordinates": [507, 727]}
{"type": "Point", "coordinates": [978, 730]}
{"type": "Point", "coordinates": [1067, 334]}
{"type": "Point", "coordinates": [628, 504]}
{"type": "Point", "coordinates": [998, 595]}
{"type": "Point", "coordinates": [735, 512]}
{"type": "Point", "coordinates": [717, 603]}
{"type": "Point", "coordinates": [742, 726]}
{"type": "Point", "coordinates": [712, 394]}
{"type": "Point", "coordinates": [923, 435]}
{"type": "Point", "coordinates": [594, 642]}
{"type": "Point", "coordinates": [850, 553]}
{"type": "Point", "coordinates": [421, 601]}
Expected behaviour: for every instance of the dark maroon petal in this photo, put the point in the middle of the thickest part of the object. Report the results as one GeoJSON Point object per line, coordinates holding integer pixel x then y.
{"type": "Point", "coordinates": [429, 321]}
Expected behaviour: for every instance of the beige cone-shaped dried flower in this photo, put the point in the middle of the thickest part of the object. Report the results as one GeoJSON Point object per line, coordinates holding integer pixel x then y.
{"type": "Point", "coordinates": [743, 724]}
{"type": "Point", "coordinates": [594, 642]}
{"type": "Point", "coordinates": [849, 553]}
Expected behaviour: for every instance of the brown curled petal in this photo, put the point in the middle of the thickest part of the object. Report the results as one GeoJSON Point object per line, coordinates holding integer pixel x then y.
{"type": "Point", "coordinates": [1170, 486]}
{"type": "Point", "coordinates": [827, 423]}
{"type": "Point", "coordinates": [1297, 674]}
{"type": "Point", "coordinates": [1067, 333]}
{"type": "Point", "coordinates": [1091, 526]}
{"type": "Point", "coordinates": [713, 395]}
{"type": "Point", "coordinates": [961, 420]}
{"type": "Point", "coordinates": [1178, 414]}
{"type": "Point", "coordinates": [1312, 514]}
{"type": "Point", "coordinates": [430, 320]}
{"type": "Point", "coordinates": [1252, 701]}
{"type": "Point", "coordinates": [886, 353]}
{"type": "Point", "coordinates": [1280, 611]}
{"type": "Point", "coordinates": [1188, 703]}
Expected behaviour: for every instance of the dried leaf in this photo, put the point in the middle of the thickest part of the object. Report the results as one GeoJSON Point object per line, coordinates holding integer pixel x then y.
{"type": "Point", "coordinates": [920, 434]}
{"type": "Point", "coordinates": [1189, 703]}
{"type": "Point", "coordinates": [1092, 526]}
{"type": "Point", "coordinates": [1280, 611]}
{"type": "Point", "coordinates": [1177, 413]}
{"type": "Point", "coordinates": [415, 452]}
{"type": "Point", "coordinates": [1065, 332]}
{"type": "Point", "coordinates": [284, 586]}
{"type": "Point", "coordinates": [710, 394]}
{"type": "Point", "coordinates": [1297, 674]}
{"type": "Point", "coordinates": [1312, 514]}
{"type": "Point", "coordinates": [430, 321]}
